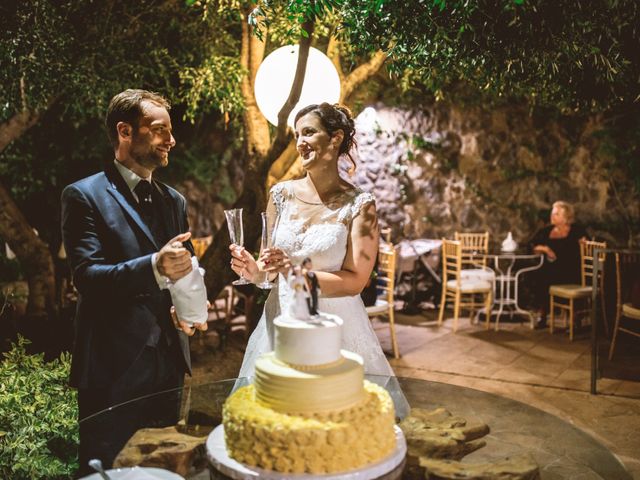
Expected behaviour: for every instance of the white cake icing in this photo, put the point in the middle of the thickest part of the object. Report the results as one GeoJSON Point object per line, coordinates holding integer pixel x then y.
{"type": "Point", "coordinates": [308, 343]}
{"type": "Point", "coordinates": [331, 388]}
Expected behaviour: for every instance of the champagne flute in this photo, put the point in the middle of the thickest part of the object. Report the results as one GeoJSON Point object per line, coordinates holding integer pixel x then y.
{"type": "Point", "coordinates": [236, 234]}
{"type": "Point", "coordinates": [268, 235]}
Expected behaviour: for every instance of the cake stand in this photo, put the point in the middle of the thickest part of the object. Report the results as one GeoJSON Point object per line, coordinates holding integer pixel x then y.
{"type": "Point", "coordinates": [217, 454]}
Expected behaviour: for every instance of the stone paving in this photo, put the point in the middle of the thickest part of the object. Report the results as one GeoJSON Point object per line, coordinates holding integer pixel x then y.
{"type": "Point", "coordinates": [532, 366]}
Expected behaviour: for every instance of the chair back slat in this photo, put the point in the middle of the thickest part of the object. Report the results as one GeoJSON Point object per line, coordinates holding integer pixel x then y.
{"type": "Point", "coordinates": [587, 251]}
{"type": "Point", "coordinates": [386, 271]}
{"type": "Point", "coordinates": [473, 246]}
{"type": "Point", "coordinates": [451, 259]}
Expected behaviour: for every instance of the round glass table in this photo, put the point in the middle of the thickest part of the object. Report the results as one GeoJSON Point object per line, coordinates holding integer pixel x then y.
{"type": "Point", "coordinates": [561, 450]}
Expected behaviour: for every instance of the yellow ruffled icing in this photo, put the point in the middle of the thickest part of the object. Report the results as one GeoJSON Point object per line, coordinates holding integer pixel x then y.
{"type": "Point", "coordinates": [317, 443]}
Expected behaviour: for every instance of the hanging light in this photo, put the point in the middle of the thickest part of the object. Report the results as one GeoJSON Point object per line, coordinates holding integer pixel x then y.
{"type": "Point", "coordinates": [275, 78]}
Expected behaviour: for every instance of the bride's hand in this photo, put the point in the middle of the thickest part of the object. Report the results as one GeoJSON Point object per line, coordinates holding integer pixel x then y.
{"type": "Point", "coordinates": [275, 261]}
{"type": "Point", "coordinates": [243, 263]}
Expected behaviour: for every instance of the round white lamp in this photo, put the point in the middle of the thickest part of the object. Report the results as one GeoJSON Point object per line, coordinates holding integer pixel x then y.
{"type": "Point", "coordinates": [275, 78]}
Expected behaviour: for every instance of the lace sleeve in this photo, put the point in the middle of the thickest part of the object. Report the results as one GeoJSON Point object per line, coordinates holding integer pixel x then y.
{"type": "Point", "coordinates": [278, 193]}
{"type": "Point", "coordinates": [363, 199]}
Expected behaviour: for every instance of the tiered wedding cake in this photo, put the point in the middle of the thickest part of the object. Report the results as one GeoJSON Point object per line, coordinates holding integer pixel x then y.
{"type": "Point", "coordinates": [309, 409]}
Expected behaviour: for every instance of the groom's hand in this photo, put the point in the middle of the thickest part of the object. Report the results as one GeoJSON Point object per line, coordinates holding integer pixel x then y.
{"type": "Point", "coordinates": [188, 328]}
{"type": "Point", "coordinates": [174, 261]}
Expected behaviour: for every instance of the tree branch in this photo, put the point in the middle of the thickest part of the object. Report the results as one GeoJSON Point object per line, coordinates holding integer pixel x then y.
{"type": "Point", "coordinates": [282, 164]}
{"type": "Point", "coordinates": [333, 52]}
{"type": "Point", "coordinates": [362, 74]}
{"type": "Point", "coordinates": [282, 135]}
{"type": "Point", "coordinates": [17, 125]}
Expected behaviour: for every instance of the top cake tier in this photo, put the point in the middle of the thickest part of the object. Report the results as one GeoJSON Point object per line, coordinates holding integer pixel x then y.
{"type": "Point", "coordinates": [304, 343]}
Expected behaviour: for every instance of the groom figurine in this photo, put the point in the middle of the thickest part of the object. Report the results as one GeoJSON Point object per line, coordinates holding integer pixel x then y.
{"type": "Point", "coordinates": [312, 286]}
{"type": "Point", "coordinates": [126, 237]}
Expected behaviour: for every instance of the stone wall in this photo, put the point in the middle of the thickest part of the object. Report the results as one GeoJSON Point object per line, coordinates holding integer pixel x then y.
{"type": "Point", "coordinates": [440, 168]}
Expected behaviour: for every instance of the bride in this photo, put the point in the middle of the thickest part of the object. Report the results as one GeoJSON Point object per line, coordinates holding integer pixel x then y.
{"type": "Point", "coordinates": [334, 224]}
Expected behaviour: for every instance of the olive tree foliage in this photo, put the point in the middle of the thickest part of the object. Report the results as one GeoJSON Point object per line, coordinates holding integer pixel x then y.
{"type": "Point", "coordinates": [570, 55]}
{"type": "Point", "coordinates": [65, 59]}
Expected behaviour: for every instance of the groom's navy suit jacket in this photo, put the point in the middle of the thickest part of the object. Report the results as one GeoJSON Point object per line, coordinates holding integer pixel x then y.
{"type": "Point", "coordinates": [109, 248]}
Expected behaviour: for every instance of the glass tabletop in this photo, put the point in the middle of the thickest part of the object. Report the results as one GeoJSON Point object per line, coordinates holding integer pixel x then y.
{"type": "Point", "coordinates": [517, 254]}
{"type": "Point", "coordinates": [560, 449]}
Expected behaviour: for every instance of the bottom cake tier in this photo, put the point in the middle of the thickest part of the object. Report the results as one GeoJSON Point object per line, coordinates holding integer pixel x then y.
{"type": "Point", "coordinates": [310, 443]}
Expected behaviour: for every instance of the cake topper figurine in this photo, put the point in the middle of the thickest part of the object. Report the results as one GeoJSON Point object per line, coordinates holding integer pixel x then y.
{"type": "Point", "coordinates": [299, 307]}
{"type": "Point", "coordinates": [312, 286]}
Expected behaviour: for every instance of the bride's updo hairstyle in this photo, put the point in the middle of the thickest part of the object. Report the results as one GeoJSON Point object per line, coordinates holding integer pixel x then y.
{"type": "Point", "coordinates": [333, 118]}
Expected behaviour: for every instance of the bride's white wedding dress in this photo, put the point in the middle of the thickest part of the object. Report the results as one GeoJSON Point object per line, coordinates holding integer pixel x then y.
{"type": "Point", "coordinates": [320, 232]}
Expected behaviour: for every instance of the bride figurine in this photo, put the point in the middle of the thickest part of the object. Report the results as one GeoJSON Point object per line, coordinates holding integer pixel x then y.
{"type": "Point", "coordinates": [332, 223]}
{"type": "Point", "coordinates": [299, 307]}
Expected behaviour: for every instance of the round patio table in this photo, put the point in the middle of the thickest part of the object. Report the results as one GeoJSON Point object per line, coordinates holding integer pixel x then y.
{"type": "Point", "coordinates": [561, 450]}
{"type": "Point", "coordinates": [508, 267]}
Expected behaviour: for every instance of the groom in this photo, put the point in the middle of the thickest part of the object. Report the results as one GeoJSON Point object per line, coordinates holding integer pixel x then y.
{"type": "Point", "coordinates": [126, 236]}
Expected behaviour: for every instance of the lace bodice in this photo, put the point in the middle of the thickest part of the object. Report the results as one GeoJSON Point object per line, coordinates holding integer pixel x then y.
{"type": "Point", "coordinates": [316, 231]}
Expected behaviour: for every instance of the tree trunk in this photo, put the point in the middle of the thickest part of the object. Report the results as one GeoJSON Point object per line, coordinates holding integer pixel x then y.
{"type": "Point", "coordinates": [33, 254]}
{"type": "Point", "coordinates": [256, 135]}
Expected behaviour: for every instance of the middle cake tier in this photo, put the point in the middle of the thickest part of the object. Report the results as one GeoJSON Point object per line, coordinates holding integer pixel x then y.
{"type": "Point", "coordinates": [288, 389]}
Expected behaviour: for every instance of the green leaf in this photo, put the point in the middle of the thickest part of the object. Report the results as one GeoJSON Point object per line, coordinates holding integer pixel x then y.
{"type": "Point", "coordinates": [40, 410]}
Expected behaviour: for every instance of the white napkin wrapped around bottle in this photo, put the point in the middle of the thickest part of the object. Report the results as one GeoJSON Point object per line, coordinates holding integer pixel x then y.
{"type": "Point", "coordinates": [189, 295]}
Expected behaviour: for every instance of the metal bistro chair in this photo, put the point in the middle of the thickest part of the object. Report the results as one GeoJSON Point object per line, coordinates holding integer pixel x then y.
{"type": "Point", "coordinates": [627, 264]}
{"type": "Point", "coordinates": [572, 293]}
{"type": "Point", "coordinates": [454, 286]}
{"type": "Point", "coordinates": [386, 284]}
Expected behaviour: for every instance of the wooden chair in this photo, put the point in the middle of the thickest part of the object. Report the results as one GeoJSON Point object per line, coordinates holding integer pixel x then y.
{"type": "Point", "coordinates": [201, 244]}
{"type": "Point", "coordinates": [572, 293]}
{"type": "Point", "coordinates": [220, 315]}
{"type": "Point", "coordinates": [386, 285]}
{"type": "Point", "coordinates": [627, 264]}
{"type": "Point", "coordinates": [474, 263]}
{"type": "Point", "coordinates": [454, 286]}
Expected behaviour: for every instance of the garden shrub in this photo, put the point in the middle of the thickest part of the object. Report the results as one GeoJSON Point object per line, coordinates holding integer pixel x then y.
{"type": "Point", "coordinates": [38, 416]}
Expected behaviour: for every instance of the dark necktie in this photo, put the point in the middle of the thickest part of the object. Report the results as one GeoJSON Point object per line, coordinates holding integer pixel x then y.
{"type": "Point", "coordinates": [143, 191]}
{"type": "Point", "coordinates": [151, 217]}
{"type": "Point", "coordinates": [151, 211]}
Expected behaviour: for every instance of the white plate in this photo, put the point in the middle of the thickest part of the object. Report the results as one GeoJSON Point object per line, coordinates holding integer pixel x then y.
{"type": "Point", "coordinates": [217, 453]}
{"type": "Point", "coordinates": [133, 473]}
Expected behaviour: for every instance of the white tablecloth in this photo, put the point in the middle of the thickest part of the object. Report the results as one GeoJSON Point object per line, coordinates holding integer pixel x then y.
{"type": "Point", "coordinates": [425, 249]}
